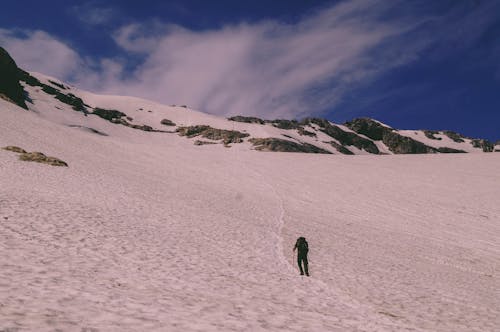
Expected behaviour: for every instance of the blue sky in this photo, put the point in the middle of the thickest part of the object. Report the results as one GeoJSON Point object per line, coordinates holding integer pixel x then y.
{"type": "Point", "coordinates": [411, 64]}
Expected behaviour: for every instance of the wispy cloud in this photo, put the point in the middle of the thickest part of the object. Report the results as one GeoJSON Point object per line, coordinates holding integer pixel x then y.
{"type": "Point", "coordinates": [92, 14]}
{"type": "Point", "coordinates": [269, 69]}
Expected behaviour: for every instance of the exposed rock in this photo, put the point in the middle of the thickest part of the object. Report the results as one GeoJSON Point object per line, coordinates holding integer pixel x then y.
{"type": "Point", "coordinates": [246, 119]}
{"type": "Point", "coordinates": [449, 150]}
{"type": "Point", "coordinates": [69, 99]}
{"type": "Point", "coordinates": [405, 145]}
{"type": "Point", "coordinates": [227, 136]}
{"type": "Point", "coordinates": [116, 116]}
{"type": "Point", "coordinates": [454, 136]}
{"type": "Point", "coordinates": [281, 145]}
{"type": "Point", "coordinates": [304, 132]}
{"type": "Point", "coordinates": [430, 134]}
{"type": "Point", "coordinates": [198, 142]}
{"type": "Point", "coordinates": [344, 137]}
{"type": "Point", "coordinates": [109, 115]}
{"type": "Point", "coordinates": [62, 86]}
{"type": "Point", "coordinates": [167, 122]}
{"type": "Point", "coordinates": [41, 158]}
{"type": "Point", "coordinates": [14, 149]}
{"type": "Point", "coordinates": [486, 145]}
{"type": "Point", "coordinates": [285, 124]}
{"type": "Point", "coordinates": [368, 127]}
{"type": "Point", "coordinates": [340, 148]}
{"type": "Point", "coordinates": [9, 80]}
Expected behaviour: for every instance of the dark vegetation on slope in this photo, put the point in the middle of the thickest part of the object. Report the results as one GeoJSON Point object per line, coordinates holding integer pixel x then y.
{"type": "Point", "coordinates": [227, 136]}
{"type": "Point", "coordinates": [10, 88]}
{"type": "Point", "coordinates": [36, 157]}
{"type": "Point", "coordinates": [281, 145]}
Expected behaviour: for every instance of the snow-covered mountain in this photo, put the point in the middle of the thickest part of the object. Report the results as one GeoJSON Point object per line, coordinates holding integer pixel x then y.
{"type": "Point", "coordinates": [146, 231]}
{"type": "Point", "coordinates": [70, 106]}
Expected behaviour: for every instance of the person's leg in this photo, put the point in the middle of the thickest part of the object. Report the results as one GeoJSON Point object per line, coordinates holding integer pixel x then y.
{"type": "Point", "coordinates": [305, 265]}
{"type": "Point", "coordinates": [299, 262]}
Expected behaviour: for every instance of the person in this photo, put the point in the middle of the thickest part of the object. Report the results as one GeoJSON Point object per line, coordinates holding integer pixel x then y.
{"type": "Point", "coordinates": [302, 249]}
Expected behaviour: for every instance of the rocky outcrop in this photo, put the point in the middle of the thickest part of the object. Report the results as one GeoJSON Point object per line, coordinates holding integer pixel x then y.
{"type": "Point", "coordinates": [454, 136]}
{"type": "Point", "coordinates": [10, 88]}
{"type": "Point", "coordinates": [449, 150]}
{"type": "Point", "coordinates": [486, 145]}
{"type": "Point", "coordinates": [198, 142]}
{"type": "Point", "coordinates": [285, 124]}
{"type": "Point", "coordinates": [344, 137]}
{"type": "Point", "coordinates": [227, 136]}
{"type": "Point", "coordinates": [368, 127]}
{"type": "Point", "coordinates": [340, 148]}
{"type": "Point", "coordinates": [117, 117]}
{"type": "Point", "coordinates": [246, 119]}
{"type": "Point", "coordinates": [167, 122]}
{"type": "Point", "coordinates": [303, 132]}
{"type": "Point", "coordinates": [430, 134]}
{"type": "Point", "coordinates": [67, 98]}
{"type": "Point", "coordinates": [281, 145]}
{"type": "Point", "coordinates": [109, 115]}
{"type": "Point", "coordinates": [41, 158]}
{"type": "Point", "coordinates": [396, 142]}
{"type": "Point", "coordinates": [15, 149]}
{"type": "Point", "coordinates": [405, 145]}
{"type": "Point", "coordinates": [36, 156]}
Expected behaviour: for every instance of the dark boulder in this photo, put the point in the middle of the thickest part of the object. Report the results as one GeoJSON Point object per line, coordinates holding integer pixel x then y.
{"type": "Point", "coordinates": [167, 122]}
{"type": "Point", "coordinates": [9, 80]}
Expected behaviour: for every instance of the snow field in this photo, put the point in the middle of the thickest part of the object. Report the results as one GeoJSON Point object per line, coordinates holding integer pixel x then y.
{"type": "Point", "coordinates": [144, 231]}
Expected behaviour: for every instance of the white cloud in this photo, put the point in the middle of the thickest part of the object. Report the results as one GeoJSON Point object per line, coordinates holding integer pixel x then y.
{"type": "Point", "coordinates": [39, 51]}
{"type": "Point", "coordinates": [267, 69]}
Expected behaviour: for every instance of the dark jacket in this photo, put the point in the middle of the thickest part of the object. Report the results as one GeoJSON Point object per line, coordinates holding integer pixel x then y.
{"type": "Point", "coordinates": [301, 246]}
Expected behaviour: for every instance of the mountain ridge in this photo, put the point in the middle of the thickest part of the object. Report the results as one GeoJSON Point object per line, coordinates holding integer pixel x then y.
{"type": "Point", "coordinates": [310, 135]}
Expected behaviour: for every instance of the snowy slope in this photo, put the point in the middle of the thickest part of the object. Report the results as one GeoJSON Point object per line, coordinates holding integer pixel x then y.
{"type": "Point", "coordinates": [146, 232]}
{"type": "Point", "coordinates": [143, 112]}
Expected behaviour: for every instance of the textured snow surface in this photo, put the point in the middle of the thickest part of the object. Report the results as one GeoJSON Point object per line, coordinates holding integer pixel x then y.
{"type": "Point", "coordinates": [147, 232]}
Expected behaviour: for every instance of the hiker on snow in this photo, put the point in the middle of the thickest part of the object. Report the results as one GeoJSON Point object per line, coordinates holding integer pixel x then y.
{"type": "Point", "coordinates": [302, 247]}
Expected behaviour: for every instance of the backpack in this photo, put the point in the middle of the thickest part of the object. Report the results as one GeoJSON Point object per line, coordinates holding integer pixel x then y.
{"type": "Point", "coordinates": [302, 245]}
